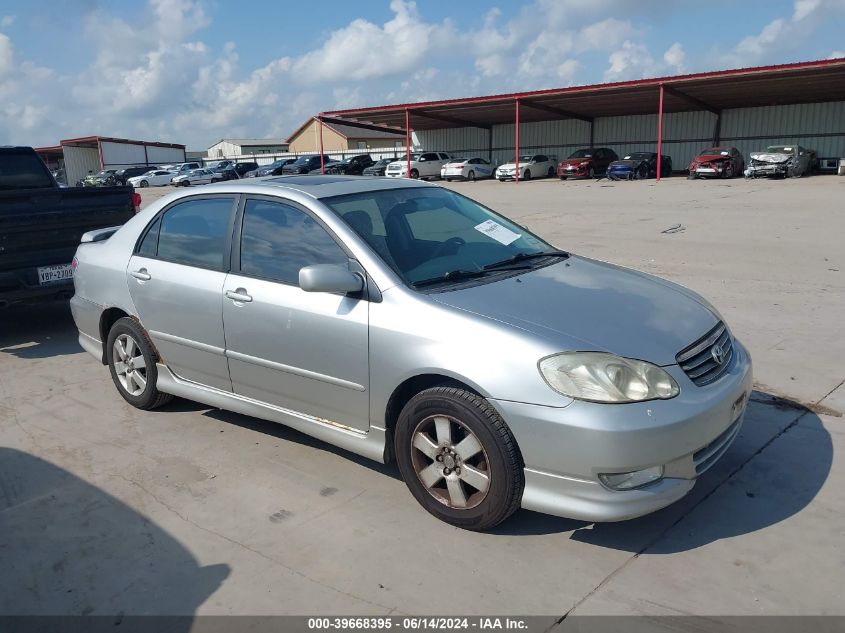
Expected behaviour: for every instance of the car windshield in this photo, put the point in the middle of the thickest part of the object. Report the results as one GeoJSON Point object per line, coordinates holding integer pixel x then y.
{"type": "Point", "coordinates": [385, 161]}
{"type": "Point", "coordinates": [304, 160]}
{"type": "Point", "coordinates": [780, 149]}
{"type": "Point", "coordinates": [581, 153]}
{"type": "Point", "coordinates": [526, 158]}
{"type": "Point", "coordinates": [715, 151]}
{"type": "Point", "coordinates": [639, 156]}
{"type": "Point", "coordinates": [405, 158]}
{"type": "Point", "coordinates": [426, 233]}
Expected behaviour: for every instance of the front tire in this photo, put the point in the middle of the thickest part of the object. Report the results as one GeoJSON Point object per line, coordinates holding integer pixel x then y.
{"type": "Point", "coordinates": [458, 458]}
{"type": "Point", "coordinates": [527, 175]}
{"type": "Point", "coordinates": [144, 183]}
{"type": "Point", "coordinates": [132, 363]}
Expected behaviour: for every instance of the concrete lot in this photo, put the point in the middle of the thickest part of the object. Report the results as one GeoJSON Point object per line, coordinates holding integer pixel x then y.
{"type": "Point", "coordinates": [185, 510]}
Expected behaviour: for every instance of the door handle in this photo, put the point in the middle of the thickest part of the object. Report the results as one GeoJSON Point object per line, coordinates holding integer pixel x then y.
{"type": "Point", "coordinates": [141, 274]}
{"type": "Point", "coordinates": [239, 295]}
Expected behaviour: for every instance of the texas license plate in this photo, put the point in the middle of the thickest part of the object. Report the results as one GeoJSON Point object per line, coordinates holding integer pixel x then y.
{"type": "Point", "coordinates": [59, 272]}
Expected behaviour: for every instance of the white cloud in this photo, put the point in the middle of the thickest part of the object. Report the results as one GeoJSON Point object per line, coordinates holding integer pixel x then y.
{"type": "Point", "coordinates": [6, 54]}
{"type": "Point", "coordinates": [836, 55]}
{"type": "Point", "coordinates": [7, 21]}
{"type": "Point", "coordinates": [675, 57]}
{"type": "Point", "coordinates": [784, 34]}
{"type": "Point", "coordinates": [631, 61]}
{"type": "Point", "coordinates": [363, 50]}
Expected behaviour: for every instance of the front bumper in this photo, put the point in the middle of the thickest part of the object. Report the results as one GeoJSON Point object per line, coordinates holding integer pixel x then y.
{"type": "Point", "coordinates": [774, 169]}
{"type": "Point", "coordinates": [573, 171]}
{"type": "Point", "coordinates": [620, 173]}
{"type": "Point", "coordinates": [565, 449]}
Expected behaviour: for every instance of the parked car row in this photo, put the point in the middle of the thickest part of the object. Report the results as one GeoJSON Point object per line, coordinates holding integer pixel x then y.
{"type": "Point", "coordinates": [712, 162]}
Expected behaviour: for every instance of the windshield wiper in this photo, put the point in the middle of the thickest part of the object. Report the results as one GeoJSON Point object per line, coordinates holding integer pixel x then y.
{"type": "Point", "coordinates": [521, 257]}
{"type": "Point", "coordinates": [452, 275]}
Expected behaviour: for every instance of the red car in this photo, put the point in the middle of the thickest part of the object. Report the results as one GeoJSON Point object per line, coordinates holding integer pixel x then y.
{"type": "Point", "coordinates": [586, 163]}
{"type": "Point", "coordinates": [717, 162]}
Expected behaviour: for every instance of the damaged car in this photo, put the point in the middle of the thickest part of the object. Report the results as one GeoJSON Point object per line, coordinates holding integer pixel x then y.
{"type": "Point", "coordinates": [717, 162]}
{"type": "Point", "coordinates": [638, 166]}
{"type": "Point", "coordinates": [781, 161]}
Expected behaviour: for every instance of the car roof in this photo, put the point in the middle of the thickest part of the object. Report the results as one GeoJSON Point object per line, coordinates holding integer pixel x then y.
{"type": "Point", "coordinates": [319, 186]}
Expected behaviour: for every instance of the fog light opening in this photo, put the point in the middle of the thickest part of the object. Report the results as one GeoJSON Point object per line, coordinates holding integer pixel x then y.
{"type": "Point", "coordinates": [632, 480]}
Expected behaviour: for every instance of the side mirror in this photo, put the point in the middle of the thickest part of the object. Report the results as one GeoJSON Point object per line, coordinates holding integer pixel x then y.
{"type": "Point", "coordinates": [329, 278]}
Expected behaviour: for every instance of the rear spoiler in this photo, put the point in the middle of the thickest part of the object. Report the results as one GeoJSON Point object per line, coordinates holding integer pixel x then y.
{"type": "Point", "coordinates": [98, 235]}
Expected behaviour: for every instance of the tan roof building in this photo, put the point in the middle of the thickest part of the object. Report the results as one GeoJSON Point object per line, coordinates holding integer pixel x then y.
{"type": "Point", "coordinates": [338, 137]}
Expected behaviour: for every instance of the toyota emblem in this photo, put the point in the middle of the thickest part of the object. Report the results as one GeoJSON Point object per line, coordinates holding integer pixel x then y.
{"type": "Point", "coordinates": [718, 354]}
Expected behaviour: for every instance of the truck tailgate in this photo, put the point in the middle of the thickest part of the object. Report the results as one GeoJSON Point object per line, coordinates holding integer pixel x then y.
{"type": "Point", "coordinates": [39, 227]}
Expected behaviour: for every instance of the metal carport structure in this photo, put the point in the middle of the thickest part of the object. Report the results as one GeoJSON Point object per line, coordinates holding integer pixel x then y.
{"type": "Point", "coordinates": [712, 92]}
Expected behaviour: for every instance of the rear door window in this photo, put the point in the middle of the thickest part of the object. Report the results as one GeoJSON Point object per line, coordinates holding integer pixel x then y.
{"type": "Point", "coordinates": [194, 233]}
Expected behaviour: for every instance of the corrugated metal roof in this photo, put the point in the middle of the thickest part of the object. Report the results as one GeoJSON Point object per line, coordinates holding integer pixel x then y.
{"type": "Point", "coordinates": [805, 82]}
{"type": "Point", "coordinates": [248, 142]}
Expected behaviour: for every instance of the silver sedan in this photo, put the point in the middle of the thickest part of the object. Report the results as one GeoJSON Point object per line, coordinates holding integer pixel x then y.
{"type": "Point", "coordinates": [403, 321]}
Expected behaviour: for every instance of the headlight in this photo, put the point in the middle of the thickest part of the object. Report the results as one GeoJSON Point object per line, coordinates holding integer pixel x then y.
{"type": "Point", "coordinates": [602, 377]}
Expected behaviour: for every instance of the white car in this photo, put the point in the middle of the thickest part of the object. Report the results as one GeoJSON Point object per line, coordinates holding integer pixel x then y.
{"type": "Point", "coordinates": [154, 178]}
{"type": "Point", "coordinates": [423, 165]}
{"type": "Point", "coordinates": [467, 169]}
{"type": "Point", "coordinates": [530, 166]}
{"type": "Point", "coordinates": [194, 177]}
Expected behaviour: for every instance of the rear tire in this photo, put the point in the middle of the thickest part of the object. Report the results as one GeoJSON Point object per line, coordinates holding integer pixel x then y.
{"type": "Point", "coordinates": [458, 458]}
{"type": "Point", "coordinates": [415, 173]}
{"type": "Point", "coordinates": [591, 175]}
{"type": "Point", "coordinates": [551, 173]}
{"type": "Point", "coordinates": [132, 363]}
{"type": "Point", "coordinates": [471, 176]}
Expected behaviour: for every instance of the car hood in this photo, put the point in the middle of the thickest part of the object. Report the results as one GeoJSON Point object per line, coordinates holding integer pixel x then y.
{"type": "Point", "coordinates": [770, 158]}
{"type": "Point", "coordinates": [586, 305]}
{"type": "Point", "coordinates": [626, 163]}
{"type": "Point", "coordinates": [709, 158]}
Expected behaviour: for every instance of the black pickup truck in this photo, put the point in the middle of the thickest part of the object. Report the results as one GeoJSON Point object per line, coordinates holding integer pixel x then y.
{"type": "Point", "coordinates": [41, 224]}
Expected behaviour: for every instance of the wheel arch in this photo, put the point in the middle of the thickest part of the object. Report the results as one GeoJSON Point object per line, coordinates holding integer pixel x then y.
{"type": "Point", "coordinates": [406, 390]}
{"type": "Point", "coordinates": [108, 318]}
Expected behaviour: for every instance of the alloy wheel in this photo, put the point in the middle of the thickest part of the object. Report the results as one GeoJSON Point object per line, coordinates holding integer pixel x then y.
{"type": "Point", "coordinates": [129, 365]}
{"type": "Point", "coordinates": [450, 462]}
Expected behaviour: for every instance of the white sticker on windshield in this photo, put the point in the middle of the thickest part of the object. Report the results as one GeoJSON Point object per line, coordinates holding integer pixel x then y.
{"type": "Point", "coordinates": [497, 232]}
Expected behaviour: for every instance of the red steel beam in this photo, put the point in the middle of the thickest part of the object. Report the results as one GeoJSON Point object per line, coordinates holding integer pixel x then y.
{"type": "Point", "coordinates": [660, 134]}
{"type": "Point", "coordinates": [516, 149]}
{"type": "Point", "coordinates": [408, 140]}
{"type": "Point", "coordinates": [322, 156]}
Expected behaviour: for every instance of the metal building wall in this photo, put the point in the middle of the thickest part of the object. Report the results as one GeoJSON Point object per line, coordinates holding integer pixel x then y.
{"type": "Point", "coordinates": [163, 155]}
{"type": "Point", "coordinates": [79, 161]}
{"type": "Point", "coordinates": [117, 155]}
{"type": "Point", "coordinates": [817, 126]}
{"type": "Point", "coordinates": [685, 134]}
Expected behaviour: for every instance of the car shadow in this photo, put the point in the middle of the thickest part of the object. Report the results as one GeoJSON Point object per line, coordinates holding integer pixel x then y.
{"type": "Point", "coordinates": [71, 549]}
{"type": "Point", "coordinates": [38, 330]}
{"type": "Point", "coordinates": [287, 434]}
{"type": "Point", "coordinates": [774, 469]}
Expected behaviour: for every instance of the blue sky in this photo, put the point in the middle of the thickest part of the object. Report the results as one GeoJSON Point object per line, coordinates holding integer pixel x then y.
{"type": "Point", "coordinates": [194, 71]}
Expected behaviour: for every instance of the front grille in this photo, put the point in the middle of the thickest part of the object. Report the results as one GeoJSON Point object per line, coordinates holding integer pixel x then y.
{"type": "Point", "coordinates": [700, 360]}
{"type": "Point", "coordinates": [705, 457]}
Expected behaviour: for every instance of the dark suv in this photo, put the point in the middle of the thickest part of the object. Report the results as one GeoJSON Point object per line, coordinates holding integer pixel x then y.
{"type": "Point", "coordinates": [233, 172]}
{"type": "Point", "coordinates": [352, 166]}
{"type": "Point", "coordinates": [304, 164]}
{"type": "Point", "coordinates": [122, 175]}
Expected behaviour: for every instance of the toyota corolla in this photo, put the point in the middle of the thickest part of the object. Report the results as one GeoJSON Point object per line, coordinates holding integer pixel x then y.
{"type": "Point", "coordinates": [403, 321]}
